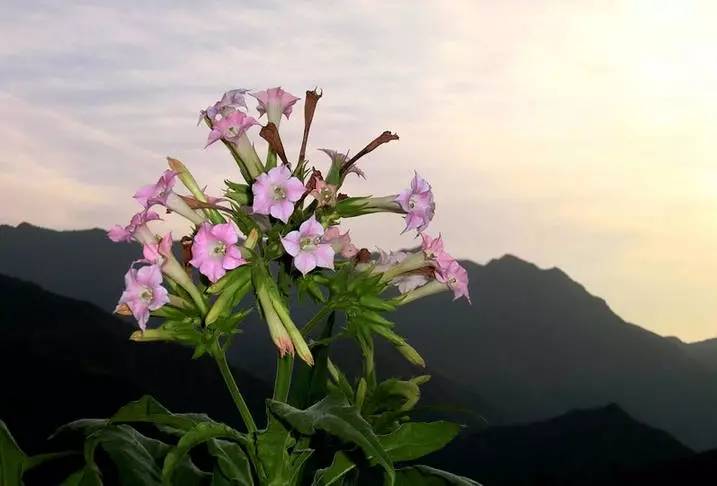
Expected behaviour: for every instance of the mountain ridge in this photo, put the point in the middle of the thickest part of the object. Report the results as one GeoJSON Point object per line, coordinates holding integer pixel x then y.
{"type": "Point", "coordinates": [534, 344]}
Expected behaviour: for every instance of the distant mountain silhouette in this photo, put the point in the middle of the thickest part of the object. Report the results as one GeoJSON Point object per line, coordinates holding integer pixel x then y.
{"type": "Point", "coordinates": [62, 359]}
{"type": "Point", "coordinates": [535, 344]}
{"type": "Point", "coordinates": [584, 447]}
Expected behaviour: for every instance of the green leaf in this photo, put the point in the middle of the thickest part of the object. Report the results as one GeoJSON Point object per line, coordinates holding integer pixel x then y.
{"type": "Point", "coordinates": [12, 459]}
{"type": "Point", "coordinates": [413, 440]}
{"type": "Point", "coordinates": [335, 416]}
{"type": "Point", "coordinates": [272, 449]}
{"type": "Point", "coordinates": [340, 466]}
{"type": "Point", "coordinates": [135, 455]}
{"type": "Point", "coordinates": [428, 476]}
{"type": "Point", "coordinates": [87, 476]}
{"type": "Point", "coordinates": [200, 433]}
{"type": "Point", "coordinates": [147, 409]}
{"type": "Point", "coordinates": [233, 466]}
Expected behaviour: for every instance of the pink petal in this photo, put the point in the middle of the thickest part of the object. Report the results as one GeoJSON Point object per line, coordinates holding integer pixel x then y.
{"type": "Point", "coordinates": [311, 227]}
{"type": "Point", "coordinates": [212, 269]}
{"type": "Point", "coordinates": [290, 242]}
{"type": "Point", "coordinates": [294, 189]}
{"type": "Point", "coordinates": [282, 210]}
{"type": "Point", "coordinates": [225, 232]}
{"type": "Point", "coordinates": [304, 262]}
{"type": "Point", "coordinates": [324, 256]}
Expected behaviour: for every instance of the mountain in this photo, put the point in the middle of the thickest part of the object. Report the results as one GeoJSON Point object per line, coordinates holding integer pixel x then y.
{"type": "Point", "coordinates": [535, 344]}
{"type": "Point", "coordinates": [582, 447]}
{"type": "Point", "coordinates": [64, 359]}
{"type": "Point", "coordinates": [703, 351]}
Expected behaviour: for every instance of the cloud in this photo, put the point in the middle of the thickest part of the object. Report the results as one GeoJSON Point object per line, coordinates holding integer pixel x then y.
{"type": "Point", "coordinates": [575, 134]}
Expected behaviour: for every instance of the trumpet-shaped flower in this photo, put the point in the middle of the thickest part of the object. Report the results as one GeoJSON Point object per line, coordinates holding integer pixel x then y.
{"type": "Point", "coordinates": [451, 273]}
{"type": "Point", "coordinates": [156, 253]}
{"type": "Point", "coordinates": [307, 248]}
{"type": "Point", "coordinates": [136, 230]}
{"type": "Point", "coordinates": [162, 193]}
{"type": "Point", "coordinates": [214, 250]}
{"type": "Point", "coordinates": [341, 243]}
{"type": "Point", "coordinates": [417, 203]}
{"type": "Point", "coordinates": [232, 101]}
{"type": "Point", "coordinates": [434, 250]}
{"type": "Point", "coordinates": [275, 102]}
{"type": "Point", "coordinates": [231, 128]}
{"type": "Point", "coordinates": [405, 281]}
{"type": "Point", "coordinates": [143, 292]}
{"type": "Point", "coordinates": [276, 192]}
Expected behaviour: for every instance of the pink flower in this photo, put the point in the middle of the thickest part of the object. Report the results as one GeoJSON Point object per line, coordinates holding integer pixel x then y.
{"type": "Point", "coordinates": [158, 193]}
{"type": "Point", "coordinates": [451, 273]}
{"type": "Point", "coordinates": [418, 204]}
{"type": "Point", "coordinates": [143, 292]}
{"type": "Point", "coordinates": [341, 243]}
{"type": "Point", "coordinates": [156, 253]}
{"type": "Point", "coordinates": [136, 230]}
{"type": "Point", "coordinates": [231, 128]}
{"type": "Point", "coordinates": [162, 193]}
{"type": "Point", "coordinates": [275, 102]}
{"type": "Point", "coordinates": [325, 194]}
{"type": "Point", "coordinates": [307, 248]}
{"type": "Point", "coordinates": [433, 249]}
{"type": "Point", "coordinates": [232, 101]}
{"type": "Point", "coordinates": [214, 250]}
{"type": "Point", "coordinates": [276, 192]}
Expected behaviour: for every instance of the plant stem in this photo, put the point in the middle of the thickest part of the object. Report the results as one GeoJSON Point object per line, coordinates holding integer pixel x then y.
{"type": "Point", "coordinates": [221, 360]}
{"type": "Point", "coordinates": [314, 321]}
{"type": "Point", "coordinates": [282, 382]}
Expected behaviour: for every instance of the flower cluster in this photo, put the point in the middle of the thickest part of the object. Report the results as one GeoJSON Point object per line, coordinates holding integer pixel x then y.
{"type": "Point", "coordinates": [282, 216]}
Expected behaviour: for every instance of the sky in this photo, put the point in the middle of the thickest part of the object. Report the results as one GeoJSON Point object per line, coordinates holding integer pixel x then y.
{"type": "Point", "coordinates": [575, 134]}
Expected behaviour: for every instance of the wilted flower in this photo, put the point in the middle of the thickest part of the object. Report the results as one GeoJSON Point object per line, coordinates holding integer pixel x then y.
{"type": "Point", "coordinates": [307, 248]}
{"type": "Point", "coordinates": [275, 102]}
{"type": "Point", "coordinates": [417, 202]}
{"type": "Point", "coordinates": [214, 250]}
{"type": "Point", "coordinates": [231, 128]}
{"type": "Point", "coordinates": [143, 292]}
{"type": "Point", "coordinates": [451, 273]}
{"type": "Point", "coordinates": [232, 101]}
{"type": "Point", "coordinates": [136, 230]}
{"type": "Point", "coordinates": [325, 194]}
{"type": "Point", "coordinates": [341, 243]}
{"type": "Point", "coordinates": [276, 192]}
{"type": "Point", "coordinates": [338, 160]}
{"type": "Point", "coordinates": [162, 193]}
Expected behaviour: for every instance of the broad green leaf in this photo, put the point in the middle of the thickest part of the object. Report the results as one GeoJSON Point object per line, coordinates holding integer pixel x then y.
{"type": "Point", "coordinates": [82, 426]}
{"type": "Point", "coordinates": [135, 456]}
{"type": "Point", "coordinates": [339, 467]}
{"type": "Point", "coordinates": [428, 476]}
{"type": "Point", "coordinates": [335, 416]}
{"type": "Point", "coordinates": [199, 434]}
{"type": "Point", "coordinates": [87, 476]}
{"type": "Point", "coordinates": [12, 458]}
{"type": "Point", "coordinates": [147, 409]}
{"type": "Point", "coordinates": [272, 449]}
{"type": "Point", "coordinates": [414, 439]}
{"type": "Point", "coordinates": [233, 466]}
